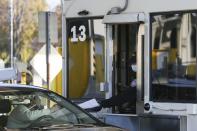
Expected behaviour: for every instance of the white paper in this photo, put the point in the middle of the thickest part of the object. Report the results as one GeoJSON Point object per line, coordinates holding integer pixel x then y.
{"type": "Point", "coordinates": [89, 104]}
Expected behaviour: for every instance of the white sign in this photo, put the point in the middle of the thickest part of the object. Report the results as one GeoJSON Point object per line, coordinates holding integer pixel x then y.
{"type": "Point", "coordinates": [53, 27]}
{"type": "Point", "coordinates": [39, 63]}
{"type": "Point", "coordinates": [81, 37]}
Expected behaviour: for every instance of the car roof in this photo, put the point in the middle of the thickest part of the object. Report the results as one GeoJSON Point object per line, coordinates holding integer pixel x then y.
{"type": "Point", "coordinates": [19, 86]}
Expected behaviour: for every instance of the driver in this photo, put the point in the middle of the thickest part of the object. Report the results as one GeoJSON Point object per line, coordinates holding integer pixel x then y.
{"type": "Point", "coordinates": [22, 115]}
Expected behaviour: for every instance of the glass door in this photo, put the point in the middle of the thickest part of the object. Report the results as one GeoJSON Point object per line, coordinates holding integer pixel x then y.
{"type": "Point", "coordinates": [124, 66]}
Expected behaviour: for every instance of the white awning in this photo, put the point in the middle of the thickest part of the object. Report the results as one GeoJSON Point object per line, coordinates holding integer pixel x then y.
{"type": "Point", "coordinates": [123, 18]}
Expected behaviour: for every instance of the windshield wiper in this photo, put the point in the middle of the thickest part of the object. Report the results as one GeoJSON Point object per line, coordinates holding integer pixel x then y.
{"type": "Point", "coordinates": [58, 126]}
{"type": "Point", "coordinates": [84, 125]}
{"type": "Point", "coordinates": [68, 126]}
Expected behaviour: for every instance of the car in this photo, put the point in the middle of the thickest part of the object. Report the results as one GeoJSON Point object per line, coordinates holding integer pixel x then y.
{"type": "Point", "coordinates": [26, 108]}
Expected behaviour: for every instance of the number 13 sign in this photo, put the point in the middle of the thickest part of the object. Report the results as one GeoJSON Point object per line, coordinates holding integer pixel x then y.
{"type": "Point", "coordinates": [81, 37]}
{"type": "Point", "coordinates": [78, 30]}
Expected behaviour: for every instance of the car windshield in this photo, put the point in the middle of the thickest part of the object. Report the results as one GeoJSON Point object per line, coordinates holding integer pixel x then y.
{"type": "Point", "coordinates": [38, 108]}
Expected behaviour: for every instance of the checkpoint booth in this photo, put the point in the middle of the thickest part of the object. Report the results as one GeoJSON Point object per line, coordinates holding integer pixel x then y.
{"type": "Point", "coordinates": [99, 40]}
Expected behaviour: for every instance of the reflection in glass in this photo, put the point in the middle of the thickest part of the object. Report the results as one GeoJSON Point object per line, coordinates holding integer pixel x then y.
{"type": "Point", "coordinates": [35, 108]}
{"type": "Point", "coordinates": [174, 57]}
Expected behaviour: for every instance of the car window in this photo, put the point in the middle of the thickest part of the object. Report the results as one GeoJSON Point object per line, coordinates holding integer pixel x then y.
{"type": "Point", "coordinates": [42, 108]}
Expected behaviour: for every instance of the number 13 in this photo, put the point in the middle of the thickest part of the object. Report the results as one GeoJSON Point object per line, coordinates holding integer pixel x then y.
{"type": "Point", "coordinates": [82, 36]}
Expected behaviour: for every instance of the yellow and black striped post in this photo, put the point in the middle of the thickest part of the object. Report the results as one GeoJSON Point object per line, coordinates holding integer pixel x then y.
{"type": "Point", "coordinates": [92, 59]}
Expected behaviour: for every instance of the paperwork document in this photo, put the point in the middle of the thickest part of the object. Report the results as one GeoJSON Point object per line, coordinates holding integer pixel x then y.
{"type": "Point", "coordinates": [89, 104]}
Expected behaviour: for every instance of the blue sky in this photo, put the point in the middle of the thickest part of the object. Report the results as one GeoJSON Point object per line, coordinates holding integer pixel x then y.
{"type": "Point", "coordinates": [53, 3]}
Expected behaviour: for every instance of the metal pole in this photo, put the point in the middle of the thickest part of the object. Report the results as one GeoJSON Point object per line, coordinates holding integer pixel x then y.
{"type": "Point", "coordinates": [48, 43]}
{"type": "Point", "coordinates": [109, 62]}
{"type": "Point", "coordinates": [11, 34]}
{"type": "Point", "coordinates": [64, 53]}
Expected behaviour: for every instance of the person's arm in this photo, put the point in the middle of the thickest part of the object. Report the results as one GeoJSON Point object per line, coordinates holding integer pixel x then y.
{"type": "Point", "coordinates": [128, 95]}
{"type": "Point", "coordinates": [115, 100]}
{"type": "Point", "coordinates": [33, 115]}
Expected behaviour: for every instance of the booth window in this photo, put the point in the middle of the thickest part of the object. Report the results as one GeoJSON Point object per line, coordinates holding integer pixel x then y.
{"type": "Point", "coordinates": [174, 57]}
{"type": "Point", "coordinates": [86, 58]}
